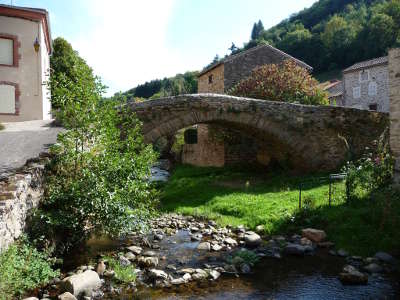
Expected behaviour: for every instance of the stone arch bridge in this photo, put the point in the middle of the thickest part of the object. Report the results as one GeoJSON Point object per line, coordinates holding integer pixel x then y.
{"type": "Point", "coordinates": [314, 138]}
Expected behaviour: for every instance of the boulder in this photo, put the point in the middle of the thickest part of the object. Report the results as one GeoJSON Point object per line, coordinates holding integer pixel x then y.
{"type": "Point", "coordinates": [230, 241]}
{"type": "Point", "coordinates": [199, 275]}
{"type": "Point", "coordinates": [214, 274]}
{"type": "Point", "coordinates": [296, 249]}
{"type": "Point", "coordinates": [178, 281]}
{"type": "Point", "coordinates": [204, 246]}
{"type": "Point", "coordinates": [101, 267]}
{"type": "Point", "coordinates": [342, 253]}
{"type": "Point", "coordinates": [252, 239]}
{"type": "Point", "coordinates": [260, 228]}
{"type": "Point", "coordinates": [351, 275]}
{"type": "Point", "coordinates": [157, 274]}
{"type": "Point", "coordinates": [314, 235]}
{"type": "Point", "coordinates": [135, 249]}
{"type": "Point", "coordinates": [149, 253]}
{"type": "Point", "coordinates": [384, 257]}
{"type": "Point", "coordinates": [31, 298]}
{"type": "Point", "coordinates": [187, 277]}
{"type": "Point", "coordinates": [373, 268]}
{"type": "Point", "coordinates": [245, 269]}
{"type": "Point", "coordinates": [148, 262]}
{"type": "Point", "coordinates": [186, 270]}
{"type": "Point", "coordinates": [66, 296]}
{"type": "Point", "coordinates": [81, 283]}
{"type": "Point", "coordinates": [123, 261]}
{"type": "Point", "coordinates": [216, 247]}
{"type": "Point", "coordinates": [130, 256]}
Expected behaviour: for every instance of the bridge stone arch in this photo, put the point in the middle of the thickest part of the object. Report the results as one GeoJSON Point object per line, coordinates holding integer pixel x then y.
{"type": "Point", "coordinates": [314, 137]}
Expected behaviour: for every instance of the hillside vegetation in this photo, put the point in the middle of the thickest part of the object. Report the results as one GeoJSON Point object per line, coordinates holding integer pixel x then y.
{"type": "Point", "coordinates": [329, 36]}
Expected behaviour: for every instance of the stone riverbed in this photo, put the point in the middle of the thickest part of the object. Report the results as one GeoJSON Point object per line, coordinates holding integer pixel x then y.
{"type": "Point", "coordinates": [186, 258]}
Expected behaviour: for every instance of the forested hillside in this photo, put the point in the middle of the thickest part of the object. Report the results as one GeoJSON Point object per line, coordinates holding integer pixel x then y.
{"type": "Point", "coordinates": [330, 35]}
{"type": "Point", "coordinates": [335, 33]}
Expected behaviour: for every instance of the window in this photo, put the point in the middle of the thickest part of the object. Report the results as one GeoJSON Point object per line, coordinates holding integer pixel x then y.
{"type": "Point", "coordinates": [357, 92]}
{"type": "Point", "coordinates": [210, 79]}
{"type": "Point", "coordinates": [7, 99]}
{"type": "Point", "coordinates": [372, 88]}
{"type": "Point", "coordinates": [6, 51]}
{"type": "Point", "coordinates": [364, 75]}
{"type": "Point", "coordinates": [373, 106]}
{"type": "Point", "coordinates": [190, 136]}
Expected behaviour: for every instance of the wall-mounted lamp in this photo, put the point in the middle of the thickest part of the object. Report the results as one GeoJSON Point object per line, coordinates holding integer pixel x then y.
{"type": "Point", "coordinates": [36, 45]}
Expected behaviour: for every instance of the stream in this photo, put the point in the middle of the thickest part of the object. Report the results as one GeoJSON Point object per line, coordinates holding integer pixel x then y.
{"type": "Point", "coordinates": [308, 277]}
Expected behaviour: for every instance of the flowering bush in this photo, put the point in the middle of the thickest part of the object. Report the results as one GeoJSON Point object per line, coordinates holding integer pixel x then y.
{"type": "Point", "coordinates": [285, 82]}
{"type": "Point", "coordinates": [371, 172]}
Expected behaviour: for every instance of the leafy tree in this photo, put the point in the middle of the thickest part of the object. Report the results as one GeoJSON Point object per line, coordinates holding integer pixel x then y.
{"type": "Point", "coordinates": [72, 80]}
{"type": "Point", "coordinates": [97, 180]}
{"type": "Point", "coordinates": [286, 82]}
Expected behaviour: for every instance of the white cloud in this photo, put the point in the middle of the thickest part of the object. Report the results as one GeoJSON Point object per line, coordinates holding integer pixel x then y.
{"type": "Point", "coordinates": [126, 43]}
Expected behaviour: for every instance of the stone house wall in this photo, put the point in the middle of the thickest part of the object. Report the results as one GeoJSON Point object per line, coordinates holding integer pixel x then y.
{"type": "Point", "coordinates": [378, 76]}
{"type": "Point", "coordinates": [207, 152]}
{"type": "Point", "coordinates": [19, 194]}
{"type": "Point", "coordinates": [394, 79]}
{"type": "Point", "coordinates": [217, 83]}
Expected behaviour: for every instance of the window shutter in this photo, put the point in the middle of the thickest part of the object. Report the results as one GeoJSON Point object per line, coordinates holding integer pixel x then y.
{"type": "Point", "coordinates": [6, 52]}
{"type": "Point", "coordinates": [7, 99]}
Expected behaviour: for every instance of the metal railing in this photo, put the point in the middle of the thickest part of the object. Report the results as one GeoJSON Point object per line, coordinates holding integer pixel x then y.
{"type": "Point", "coordinates": [331, 179]}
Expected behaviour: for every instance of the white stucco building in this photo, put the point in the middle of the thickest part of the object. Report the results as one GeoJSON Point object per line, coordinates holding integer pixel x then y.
{"type": "Point", "coordinates": [25, 48]}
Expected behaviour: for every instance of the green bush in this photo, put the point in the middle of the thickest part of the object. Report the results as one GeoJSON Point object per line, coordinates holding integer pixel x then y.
{"type": "Point", "coordinates": [371, 172]}
{"type": "Point", "coordinates": [1, 126]}
{"type": "Point", "coordinates": [22, 267]}
{"type": "Point", "coordinates": [124, 274]}
{"type": "Point", "coordinates": [286, 82]}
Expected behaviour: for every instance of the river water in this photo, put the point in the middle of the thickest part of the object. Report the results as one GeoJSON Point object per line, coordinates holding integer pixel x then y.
{"type": "Point", "coordinates": [310, 277]}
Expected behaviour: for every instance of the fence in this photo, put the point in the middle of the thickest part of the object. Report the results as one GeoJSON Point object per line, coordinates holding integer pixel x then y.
{"type": "Point", "coordinates": [337, 190]}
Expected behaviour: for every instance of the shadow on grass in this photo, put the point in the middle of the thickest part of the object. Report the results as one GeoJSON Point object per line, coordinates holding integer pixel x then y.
{"type": "Point", "coordinates": [251, 197]}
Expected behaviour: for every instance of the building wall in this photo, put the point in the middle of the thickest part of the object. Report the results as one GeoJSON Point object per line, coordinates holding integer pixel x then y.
{"type": "Point", "coordinates": [394, 81]}
{"type": "Point", "coordinates": [29, 75]}
{"type": "Point", "coordinates": [217, 85]}
{"type": "Point", "coordinates": [377, 75]}
{"type": "Point", "coordinates": [207, 152]}
{"type": "Point", "coordinates": [240, 67]}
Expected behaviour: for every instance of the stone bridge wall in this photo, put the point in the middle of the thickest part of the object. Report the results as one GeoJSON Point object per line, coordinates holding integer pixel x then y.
{"type": "Point", "coordinates": [19, 194]}
{"type": "Point", "coordinates": [309, 137]}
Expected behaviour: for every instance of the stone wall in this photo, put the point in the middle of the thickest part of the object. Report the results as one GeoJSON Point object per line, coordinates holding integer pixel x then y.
{"type": "Point", "coordinates": [240, 66]}
{"type": "Point", "coordinates": [217, 84]}
{"type": "Point", "coordinates": [394, 79]}
{"type": "Point", "coordinates": [379, 76]}
{"type": "Point", "coordinates": [206, 153]}
{"type": "Point", "coordinates": [19, 193]}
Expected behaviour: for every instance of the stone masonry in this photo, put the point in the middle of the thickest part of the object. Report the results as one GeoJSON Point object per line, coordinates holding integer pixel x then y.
{"type": "Point", "coordinates": [308, 137]}
{"type": "Point", "coordinates": [217, 81]}
{"type": "Point", "coordinates": [394, 79]}
{"type": "Point", "coordinates": [372, 90]}
{"type": "Point", "coordinates": [19, 194]}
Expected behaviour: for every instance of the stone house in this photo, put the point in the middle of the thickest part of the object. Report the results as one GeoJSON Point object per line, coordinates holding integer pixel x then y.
{"type": "Point", "coordinates": [334, 88]}
{"type": "Point", "coordinates": [210, 149]}
{"type": "Point", "coordinates": [25, 48]}
{"type": "Point", "coordinates": [223, 75]}
{"type": "Point", "coordinates": [366, 85]}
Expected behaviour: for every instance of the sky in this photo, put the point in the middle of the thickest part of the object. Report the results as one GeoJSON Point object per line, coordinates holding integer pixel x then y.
{"type": "Point", "coordinates": [129, 42]}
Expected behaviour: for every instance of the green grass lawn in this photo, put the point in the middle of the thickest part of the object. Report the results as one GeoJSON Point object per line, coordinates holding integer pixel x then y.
{"type": "Point", "coordinates": [236, 196]}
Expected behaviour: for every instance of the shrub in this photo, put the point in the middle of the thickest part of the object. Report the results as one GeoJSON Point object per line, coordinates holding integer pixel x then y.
{"type": "Point", "coordinates": [286, 82]}
{"type": "Point", "coordinates": [98, 179]}
{"type": "Point", "coordinates": [124, 274]}
{"type": "Point", "coordinates": [371, 172]}
{"type": "Point", "coordinates": [22, 267]}
{"type": "Point", "coordinates": [1, 126]}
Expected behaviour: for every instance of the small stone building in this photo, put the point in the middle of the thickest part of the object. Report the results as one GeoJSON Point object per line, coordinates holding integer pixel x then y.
{"type": "Point", "coordinates": [217, 146]}
{"type": "Point", "coordinates": [366, 85]}
{"type": "Point", "coordinates": [334, 88]}
{"type": "Point", "coordinates": [223, 75]}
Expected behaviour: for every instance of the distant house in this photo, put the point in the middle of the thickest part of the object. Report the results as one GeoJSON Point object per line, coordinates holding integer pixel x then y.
{"type": "Point", "coordinates": [334, 88]}
{"type": "Point", "coordinates": [25, 48]}
{"type": "Point", "coordinates": [223, 75]}
{"type": "Point", "coordinates": [206, 149]}
{"type": "Point", "coordinates": [366, 85]}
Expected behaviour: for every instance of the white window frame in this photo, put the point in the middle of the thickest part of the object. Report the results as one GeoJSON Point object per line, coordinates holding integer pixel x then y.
{"type": "Point", "coordinates": [357, 92]}
{"type": "Point", "coordinates": [372, 91]}
{"type": "Point", "coordinates": [360, 77]}
{"type": "Point", "coordinates": [10, 61]}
